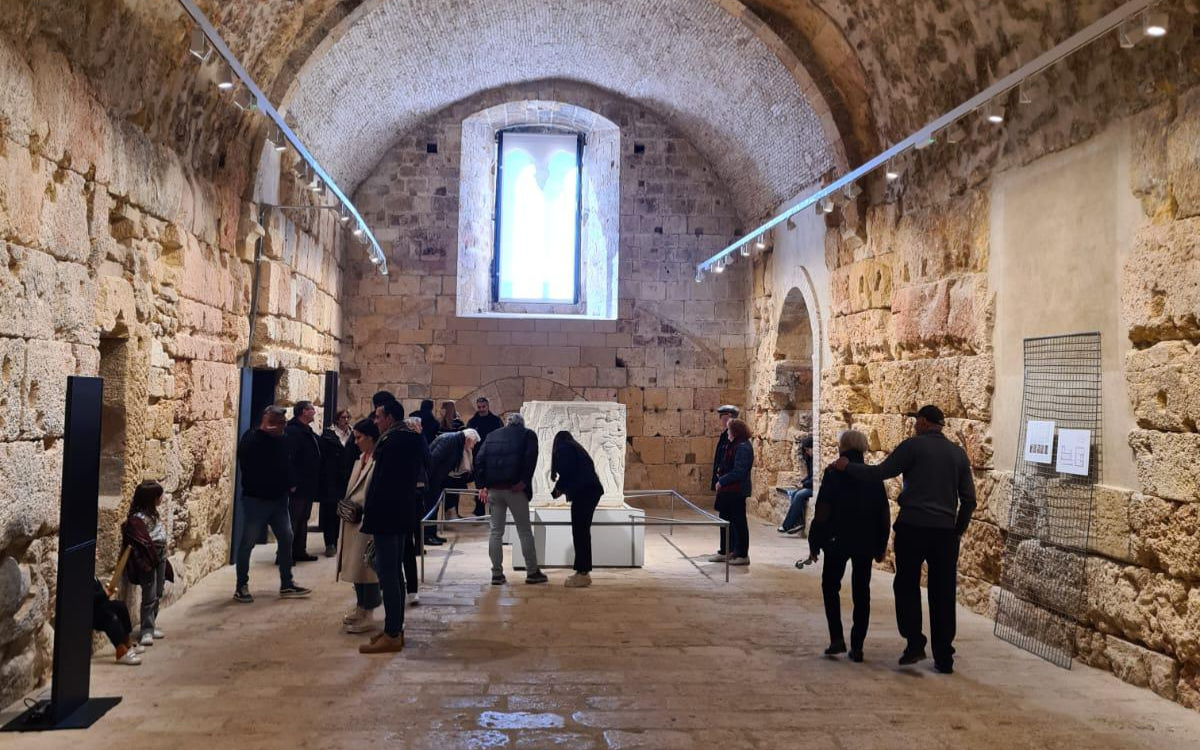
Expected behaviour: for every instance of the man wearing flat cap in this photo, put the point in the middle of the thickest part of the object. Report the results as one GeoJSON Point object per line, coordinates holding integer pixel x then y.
{"type": "Point", "coordinates": [725, 413]}
{"type": "Point", "coordinates": [936, 504]}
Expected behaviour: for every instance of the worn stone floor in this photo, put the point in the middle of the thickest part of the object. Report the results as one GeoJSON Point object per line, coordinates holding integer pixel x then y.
{"type": "Point", "coordinates": [668, 656]}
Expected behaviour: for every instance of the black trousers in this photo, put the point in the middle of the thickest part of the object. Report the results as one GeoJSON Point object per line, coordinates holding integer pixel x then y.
{"type": "Point", "coordinates": [452, 497]}
{"type": "Point", "coordinates": [299, 508]}
{"type": "Point", "coordinates": [582, 510]}
{"type": "Point", "coordinates": [410, 562]}
{"type": "Point", "coordinates": [731, 506]}
{"type": "Point", "coordinates": [937, 548]}
{"type": "Point", "coordinates": [329, 521]}
{"type": "Point", "coordinates": [860, 591]}
{"type": "Point", "coordinates": [114, 622]}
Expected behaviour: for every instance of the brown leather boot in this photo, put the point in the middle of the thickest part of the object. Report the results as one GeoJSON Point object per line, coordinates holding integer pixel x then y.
{"type": "Point", "coordinates": [383, 644]}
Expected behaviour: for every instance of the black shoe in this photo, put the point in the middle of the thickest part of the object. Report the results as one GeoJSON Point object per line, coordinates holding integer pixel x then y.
{"type": "Point", "coordinates": [498, 579]}
{"type": "Point", "coordinates": [441, 539]}
{"type": "Point", "coordinates": [856, 654]}
{"type": "Point", "coordinates": [945, 667]}
{"type": "Point", "coordinates": [538, 577]}
{"type": "Point", "coordinates": [294, 592]}
{"type": "Point", "coordinates": [303, 557]}
{"type": "Point", "coordinates": [837, 647]}
{"type": "Point", "coordinates": [242, 595]}
{"type": "Point", "coordinates": [911, 657]}
{"type": "Point", "coordinates": [331, 550]}
{"type": "Point", "coordinates": [434, 542]}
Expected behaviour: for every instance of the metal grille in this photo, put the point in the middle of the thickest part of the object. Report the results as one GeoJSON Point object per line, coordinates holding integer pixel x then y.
{"type": "Point", "coordinates": [1043, 583]}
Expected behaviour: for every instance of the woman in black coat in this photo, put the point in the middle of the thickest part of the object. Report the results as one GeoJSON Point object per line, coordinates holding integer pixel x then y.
{"type": "Point", "coordinates": [574, 475]}
{"type": "Point", "coordinates": [851, 523]}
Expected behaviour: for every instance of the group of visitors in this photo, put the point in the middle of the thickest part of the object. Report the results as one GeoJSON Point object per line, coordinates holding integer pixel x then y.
{"type": "Point", "coordinates": [394, 470]}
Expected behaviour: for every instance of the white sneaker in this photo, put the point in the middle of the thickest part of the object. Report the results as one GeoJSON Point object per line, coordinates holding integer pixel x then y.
{"type": "Point", "coordinates": [717, 558]}
{"type": "Point", "coordinates": [364, 624]}
{"type": "Point", "coordinates": [159, 635]}
{"type": "Point", "coordinates": [130, 659]}
{"type": "Point", "coordinates": [354, 615]}
{"type": "Point", "coordinates": [147, 639]}
{"type": "Point", "coordinates": [412, 599]}
{"type": "Point", "coordinates": [739, 561]}
{"type": "Point", "coordinates": [139, 648]}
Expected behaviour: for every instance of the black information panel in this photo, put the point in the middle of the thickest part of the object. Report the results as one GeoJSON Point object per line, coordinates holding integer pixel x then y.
{"type": "Point", "coordinates": [1043, 582]}
{"type": "Point", "coordinates": [69, 706]}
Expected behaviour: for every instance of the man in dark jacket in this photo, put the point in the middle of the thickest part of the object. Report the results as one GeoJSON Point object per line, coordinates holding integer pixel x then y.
{"type": "Point", "coordinates": [391, 514]}
{"type": "Point", "coordinates": [449, 469]}
{"type": "Point", "coordinates": [485, 423]}
{"type": "Point", "coordinates": [306, 463]}
{"type": "Point", "coordinates": [850, 525]}
{"type": "Point", "coordinates": [935, 508]}
{"type": "Point", "coordinates": [335, 473]}
{"type": "Point", "coordinates": [725, 413]}
{"type": "Point", "coordinates": [504, 473]}
{"type": "Point", "coordinates": [264, 458]}
{"type": "Point", "coordinates": [429, 422]}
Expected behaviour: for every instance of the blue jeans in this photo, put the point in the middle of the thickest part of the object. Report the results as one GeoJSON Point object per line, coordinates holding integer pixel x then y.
{"type": "Point", "coordinates": [367, 595]}
{"type": "Point", "coordinates": [389, 566]}
{"type": "Point", "coordinates": [798, 510]}
{"type": "Point", "coordinates": [257, 515]}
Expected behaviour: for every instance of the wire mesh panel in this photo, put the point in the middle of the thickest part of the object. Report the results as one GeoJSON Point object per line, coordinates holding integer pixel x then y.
{"type": "Point", "coordinates": [1043, 581]}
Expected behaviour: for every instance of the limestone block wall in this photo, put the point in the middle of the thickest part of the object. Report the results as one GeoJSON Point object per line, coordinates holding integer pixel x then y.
{"type": "Point", "coordinates": [121, 258]}
{"type": "Point", "coordinates": [676, 351]}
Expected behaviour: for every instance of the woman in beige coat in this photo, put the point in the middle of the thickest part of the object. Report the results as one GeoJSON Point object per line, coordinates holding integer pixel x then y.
{"type": "Point", "coordinates": [351, 565]}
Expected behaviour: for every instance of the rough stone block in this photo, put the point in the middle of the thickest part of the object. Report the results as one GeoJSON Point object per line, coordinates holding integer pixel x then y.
{"type": "Point", "coordinates": [1167, 464]}
{"type": "Point", "coordinates": [1160, 296]}
{"type": "Point", "coordinates": [976, 383]}
{"type": "Point", "coordinates": [906, 386]}
{"type": "Point", "coordinates": [1183, 155]}
{"type": "Point", "coordinates": [30, 479]}
{"type": "Point", "coordinates": [1148, 165]}
{"type": "Point", "coordinates": [865, 336]}
{"type": "Point", "coordinates": [1164, 386]}
{"type": "Point", "coordinates": [1164, 535]}
{"type": "Point", "coordinates": [1142, 667]}
{"type": "Point", "coordinates": [864, 285]}
{"type": "Point", "coordinates": [63, 230]}
{"type": "Point", "coordinates": [1111, 532]}
{"type": "Point", "coordinates": [44, 389]}
{"type": "Point", "coordinates": [1141, 606]}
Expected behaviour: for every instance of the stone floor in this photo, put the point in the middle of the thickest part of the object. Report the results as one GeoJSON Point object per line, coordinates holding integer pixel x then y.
{"type": "Point", "coordinates": [668, 656]}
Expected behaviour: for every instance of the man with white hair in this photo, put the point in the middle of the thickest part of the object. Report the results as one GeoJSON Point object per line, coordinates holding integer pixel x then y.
{"type": "Point", "coordinates": [504, 474]}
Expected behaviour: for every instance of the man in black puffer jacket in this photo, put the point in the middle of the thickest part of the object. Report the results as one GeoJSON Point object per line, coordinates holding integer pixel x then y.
{"type": "Point", "coordinates": [306, 462]}
{"type": "Point", "coordinates": [504, 473]}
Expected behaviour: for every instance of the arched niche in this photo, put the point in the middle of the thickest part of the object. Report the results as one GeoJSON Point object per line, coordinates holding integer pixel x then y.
{"type": "Point", "coordinates": [792, 381]}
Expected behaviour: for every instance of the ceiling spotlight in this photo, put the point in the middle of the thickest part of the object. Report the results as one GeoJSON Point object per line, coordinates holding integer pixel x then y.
{"type": "Point", "coordinates": [1155, 23]}
{"type": "Point", "coordinates": [719, 266]}
{"type": "Point", "coordinates": [1128, 35]}
{"type": "Point", "coordinates": [315, 184]}
{"type": "Point", "coordinates": [376, 259]}
{"type": "Point", "coordinates": [277, 138]}
{"type": "Point", "coordinates": [225, 77]}
{"type": "Point", "coordinates": [851, 191]}
{"type": "Point", "coordinates": [761, 242]}
{"type": "Point", "coordinates": [745, 250]}
{"type": "Point", "coordinates": [955, 134]}
{"type": "Point", "coordinates": [343, 215]}
{"type": "Point", "coordinates": [994, 113]}
{"type": "Point", "coordinates": [199, 46]}
{"type": "Point", "coordinates": [359, 231]}
{"type": "Point", "coordinates": [892, 171]}
{"type": "Point", "coordinates": [383, 270]}
{"type": "Point", "coordinates": [1023, 95]}
{"type": "Point", "coordinates": [362, 238]}
{"type": "Point", "coordinates": [245, 100]}
{"type": "Point", "coordinates": [827, 205]}
{"type": "Point", "coordinates": [699, 275]}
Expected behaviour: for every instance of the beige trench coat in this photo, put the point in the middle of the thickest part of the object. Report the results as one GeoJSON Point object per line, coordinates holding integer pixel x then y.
{"type": "Point", "coordinates": [351, 542]}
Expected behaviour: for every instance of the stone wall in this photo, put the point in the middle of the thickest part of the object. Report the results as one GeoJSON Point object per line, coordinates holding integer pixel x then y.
{"type": "Point", "coordinates": [121, 258]}
{"type": "Point", "coordinates": [676, 351]}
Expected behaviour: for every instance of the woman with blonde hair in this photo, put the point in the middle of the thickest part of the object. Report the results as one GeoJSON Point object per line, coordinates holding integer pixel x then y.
{"type": "Point", "coordinates": [851, 524]}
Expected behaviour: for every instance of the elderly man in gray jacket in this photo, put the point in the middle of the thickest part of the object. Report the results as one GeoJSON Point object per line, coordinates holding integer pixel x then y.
{"type": "Point", "coordinates": [936, 504]}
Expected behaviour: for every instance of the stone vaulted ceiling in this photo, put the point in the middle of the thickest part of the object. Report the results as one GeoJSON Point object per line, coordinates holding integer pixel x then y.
{"type": "Point", "coordinates": [705, 70]}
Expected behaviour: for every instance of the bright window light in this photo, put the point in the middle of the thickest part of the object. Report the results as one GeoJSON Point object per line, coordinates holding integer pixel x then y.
{"type": "Point", "coordinates": [538, 217]}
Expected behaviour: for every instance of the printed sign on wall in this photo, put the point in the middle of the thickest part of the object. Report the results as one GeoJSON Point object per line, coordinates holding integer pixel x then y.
{"type": "Point", "coordinates": [1074, 451]}
{"type": "Point", "coordinates": [1039, 441]}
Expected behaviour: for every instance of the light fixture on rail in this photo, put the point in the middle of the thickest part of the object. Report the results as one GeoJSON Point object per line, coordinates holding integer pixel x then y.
{"type": "Point", "coordinates": [699, 275]}
{"type": "Point", "coordinates": [376, 259]}
{"type": "Point", "coordinates": [244, 100]}
{"type": "Point", "coordinates": [278, 142]}
{"type": "Point", "coordinates": [1128, 35]}
{"type": "Point", "coordinates": [1023, 95]}
{"type": "Point", "coordinates": [851, 191]}
{"type": "Point", "coordinates": [719, 266]}
{"type": "Point", "coordinates": [199, 46]}
{"type": "Point", "coordinates": [993, 112]}
{"type": "Point", "coordinates": [761, 242]}
{"type": "Point", "coordinates": [359, 232]}
{"type": "Point", "coordinates": [925, 140]}
{"type": "Point", "coordinates": [315, 183]}
{"type": "Point", "coordinates": [225, 78]}
{"type": "Point", "coordinates": [343, 215]}
{"type": "Point", "coordinates": [1155, 23]}
{"type": "Point", "coordinates": [891, 171]}
{"type": "Point", "coordinates": [745, 250]}
{"type": "Point", "coordinates": [826, 205]}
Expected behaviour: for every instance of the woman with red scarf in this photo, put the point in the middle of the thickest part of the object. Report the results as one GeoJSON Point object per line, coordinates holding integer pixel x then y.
{"type": "Point", "coordinates": [733, 487]}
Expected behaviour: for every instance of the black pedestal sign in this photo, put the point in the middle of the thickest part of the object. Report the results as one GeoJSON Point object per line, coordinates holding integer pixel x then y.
{"type": "Point", "coordinates": [70, 706]}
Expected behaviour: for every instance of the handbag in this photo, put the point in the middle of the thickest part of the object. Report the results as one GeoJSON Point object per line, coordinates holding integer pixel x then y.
{"type": "Point", "coordinates": [349, 511]}
{"type": "Point", "coordinates": [369, 554]}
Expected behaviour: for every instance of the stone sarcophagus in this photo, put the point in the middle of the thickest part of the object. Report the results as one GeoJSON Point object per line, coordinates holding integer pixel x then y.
{"type": "Point", "coordinates": [599, 426]}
